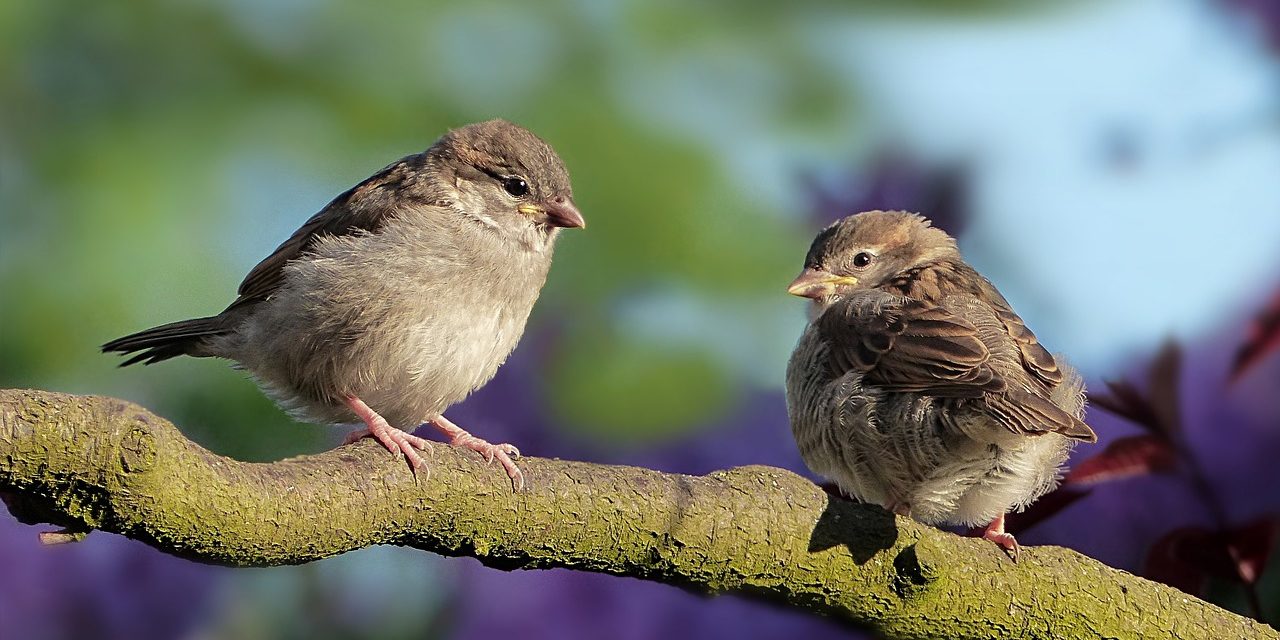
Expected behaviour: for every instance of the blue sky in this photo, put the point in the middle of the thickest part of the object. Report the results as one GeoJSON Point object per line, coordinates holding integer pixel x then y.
{"type": "Point", "coordinates": [1127, 160]}
{"type": "Point", "coordinates": [1124, 155]}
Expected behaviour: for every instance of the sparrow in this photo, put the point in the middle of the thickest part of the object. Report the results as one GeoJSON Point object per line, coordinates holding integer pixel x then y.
{"type": "Point", "coordinates": [915, 385]}
{"type": "Point", "coordinates": [401, 296]}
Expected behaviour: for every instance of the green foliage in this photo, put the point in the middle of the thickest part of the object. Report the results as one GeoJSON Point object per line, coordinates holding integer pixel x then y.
{"type": "Point", "coordinates": [153, 151]}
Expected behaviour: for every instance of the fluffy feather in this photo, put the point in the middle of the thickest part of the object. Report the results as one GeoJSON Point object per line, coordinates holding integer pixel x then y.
{"type": "Point", "coordinates": [917, 387]}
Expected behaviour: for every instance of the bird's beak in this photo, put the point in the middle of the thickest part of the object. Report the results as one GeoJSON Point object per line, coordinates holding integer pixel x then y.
{"type": "Point", "coordinates": [560, 212]}
{"type": "Point", "coordinates": [816, 283]}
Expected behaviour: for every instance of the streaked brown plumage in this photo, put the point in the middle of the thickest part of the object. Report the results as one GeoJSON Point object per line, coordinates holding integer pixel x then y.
{"type": "Point", "coordinates": [400, 297]}
{"type": "Point", "coordinates": [917, 387]}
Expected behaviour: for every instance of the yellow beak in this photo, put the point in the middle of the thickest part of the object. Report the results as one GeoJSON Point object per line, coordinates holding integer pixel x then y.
{"type": "Point", "coordinates": [816, 283]}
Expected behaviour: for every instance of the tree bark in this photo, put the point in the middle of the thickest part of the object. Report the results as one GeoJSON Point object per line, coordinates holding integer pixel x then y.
{"type": "Point", "coordinates": [85, 463]}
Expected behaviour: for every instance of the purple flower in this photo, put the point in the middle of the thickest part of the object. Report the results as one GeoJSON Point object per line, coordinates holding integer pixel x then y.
{"type": "Point", "coordinates": [569, 604]}
{"type": "Point", "coordinates": [894, 181]}
{"type": "Point", "coordinates": [103, 587]}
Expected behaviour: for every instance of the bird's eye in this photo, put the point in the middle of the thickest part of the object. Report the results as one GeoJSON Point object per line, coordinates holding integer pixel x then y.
{"type": "Point", "coordinates": [515, 185]}
{"type": "Point", "coordinates": [862, 259]}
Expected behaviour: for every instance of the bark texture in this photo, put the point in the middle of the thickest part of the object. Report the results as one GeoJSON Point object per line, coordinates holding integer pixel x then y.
{"type": "Point", "coordinates": [84, 463]}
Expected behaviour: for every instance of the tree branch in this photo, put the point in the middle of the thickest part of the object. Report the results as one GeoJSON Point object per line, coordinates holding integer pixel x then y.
{"type": "Point", "coordinates": [99, 463]}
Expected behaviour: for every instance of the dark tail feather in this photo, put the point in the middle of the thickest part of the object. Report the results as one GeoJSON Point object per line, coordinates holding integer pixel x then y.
{"type": "Point", "coordinates": [166, 341]}
{"type": "Point", "coordinates": [1023, 412]}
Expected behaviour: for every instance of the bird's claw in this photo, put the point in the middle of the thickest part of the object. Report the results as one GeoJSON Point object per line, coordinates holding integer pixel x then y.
{"type": "Point", "coordinates": [899, 507]}
{"type": "Point", "coordinates": [1007, 542]}
{"type": "Point", "coordinates": [502, 452]}
{"type": "Point", "coordinates": [396, 441]}
{"type": "Point", "coordinates": [995, 532]}
{"type": "Point", "coordinates": [408, 445]}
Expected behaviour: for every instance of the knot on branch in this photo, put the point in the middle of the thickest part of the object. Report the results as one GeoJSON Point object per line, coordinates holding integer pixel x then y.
{"type": "Point", "coordinates": [911, 576]}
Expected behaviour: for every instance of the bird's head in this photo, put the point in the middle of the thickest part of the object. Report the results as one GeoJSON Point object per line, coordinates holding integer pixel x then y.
{"type": "Point", "coordinates": [505, 177]}
{"type": "Point", "coordinates": [867, 251]}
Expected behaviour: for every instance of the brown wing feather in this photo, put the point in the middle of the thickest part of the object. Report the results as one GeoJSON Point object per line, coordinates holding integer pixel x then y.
{"type": "Point", "coordinates": [1035, 357]}
{"type": "Point", "coordinates": [935, 283]}
{"type": "Point", "coordinates": [908, 345]}
{"type": "Point", "coordinates": [1023, 412]}
{"type": "Point", "coordinates": [356, 210]}
{"type": "Point", "coordinates": [1017, 408]}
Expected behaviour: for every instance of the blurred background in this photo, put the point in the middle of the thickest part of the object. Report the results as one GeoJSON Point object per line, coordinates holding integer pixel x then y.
{"type": "Point", "coordinates": [1114, 167]}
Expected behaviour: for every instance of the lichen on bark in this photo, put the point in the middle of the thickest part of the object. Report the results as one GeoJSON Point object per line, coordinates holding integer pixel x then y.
{"type": "Point", "coordinates": [85, 463]}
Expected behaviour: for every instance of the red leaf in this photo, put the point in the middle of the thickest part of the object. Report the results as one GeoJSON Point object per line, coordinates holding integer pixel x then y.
{"type": "Point", "coordinates": [1250, 546]}
{"type": "Point", "coordinates": [1183, 558]}
{"type": "Point", "coordinates": [1163, 376]}
{"type": "Point", "coordinates": [1127, 402]}
{"type": "Point", "coordinates": [1124, 458]}
{"type": "Point", "coordinates": [1159, 411]}
{"type": "Point", "coordinates": [1264, 337]}
{"type": "Point", "coordinates": [1046, 507]}
{"type": "Point", "coordinates": [1167, 562]}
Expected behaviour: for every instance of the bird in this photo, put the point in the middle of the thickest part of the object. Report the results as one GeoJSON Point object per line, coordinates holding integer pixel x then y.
{"type": "Point", "coordinates": [401, 296]}
{"type": "Point", "coordinates": [915, 385]}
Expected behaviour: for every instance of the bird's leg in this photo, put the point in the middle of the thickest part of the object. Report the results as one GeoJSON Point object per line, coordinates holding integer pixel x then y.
{"type": "Point", "coordinates": [503, 453]}
{"type": "Point", "coordinates": [995, 532]}
{"type": "Point", "coordinates": [395, 440]}
{"type": "Point", "coordinates": [900, 507]}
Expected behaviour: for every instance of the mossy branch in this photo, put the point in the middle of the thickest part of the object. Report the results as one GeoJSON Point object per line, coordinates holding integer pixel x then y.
{"type": "Point", "coordinates": [86, 463]}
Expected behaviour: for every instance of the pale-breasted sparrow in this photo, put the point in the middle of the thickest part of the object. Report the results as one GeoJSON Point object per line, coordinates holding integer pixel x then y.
{"type": "Point", "coordinates": [399, 298]}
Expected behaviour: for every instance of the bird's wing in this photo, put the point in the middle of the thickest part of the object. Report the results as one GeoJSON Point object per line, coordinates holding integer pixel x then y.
{"type": "Point", "coordinates": [908, 345]}
{"type": "Point", "coordinates": [1023, 411]}
{"type": "Point", "coordinates": [1035, 358]}
{"type": "Point", "coordinates": [360, 209]}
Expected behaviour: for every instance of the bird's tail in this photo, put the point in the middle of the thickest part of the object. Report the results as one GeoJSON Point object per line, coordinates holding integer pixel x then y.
{"type": "Point", "coordinates": [168, 340]}
{"type": "Point", "coordinates": [1070, 397]}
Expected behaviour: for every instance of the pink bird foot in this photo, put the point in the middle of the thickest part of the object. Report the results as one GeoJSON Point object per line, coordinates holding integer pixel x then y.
{"type": "Point", "coordinates": [995, 532]}
{"type": "Point", "coordinates": [395, 440]}
{"type": "Point", "coordinates": [899, 507]}
{"type": "Point", "coordinates": [503, 452]}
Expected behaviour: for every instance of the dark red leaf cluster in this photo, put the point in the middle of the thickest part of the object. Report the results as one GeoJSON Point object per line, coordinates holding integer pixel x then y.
{"type": "Point", "coordinates": [1263, 338]}
{"type": "Point", "coordinates": [1132, 456]}
{"type": "Point", "coordinates": [1158, 411]}
{"type": "Point", "coordinates": [1186, 558]}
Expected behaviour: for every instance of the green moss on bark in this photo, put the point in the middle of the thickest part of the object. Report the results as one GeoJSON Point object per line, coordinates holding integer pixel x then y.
{"type": "Point", "coordinates": [99, 463]}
